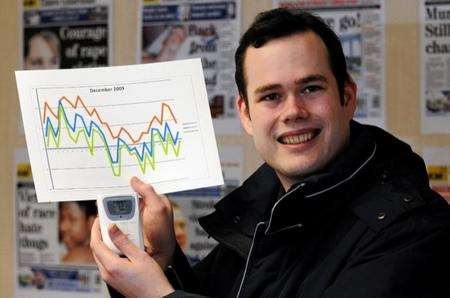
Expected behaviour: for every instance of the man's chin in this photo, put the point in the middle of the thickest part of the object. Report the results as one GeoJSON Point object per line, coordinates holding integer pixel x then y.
{"type": "Point", "coordinates": [291, 175]}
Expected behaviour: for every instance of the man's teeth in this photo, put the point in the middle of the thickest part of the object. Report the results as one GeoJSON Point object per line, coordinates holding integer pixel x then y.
{"type": "Point", "coordinates": [297, 138]}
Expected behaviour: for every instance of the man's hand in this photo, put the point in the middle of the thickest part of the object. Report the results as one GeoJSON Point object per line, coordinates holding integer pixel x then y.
{"type": "Point", "coordinates": [157, 223]}
{"type": "Point", "coordinates": [138, 275]}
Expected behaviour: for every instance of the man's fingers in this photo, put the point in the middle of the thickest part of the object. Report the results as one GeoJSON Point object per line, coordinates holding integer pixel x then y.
{"type": "Point", "coordinates": [145, 190]}
{"type": "Point", "coordinates": [103, 272]}
{"type": "Point", "coordinates": [95, 231]}
{"type": "Point", "coordinates": [121, 241]}
{"type": "Point", "coordinates": [148, 194]}
{"type": "Point", "coordinates": [101, 252]}
{"type": "Point", "coordinates": [166, 201]}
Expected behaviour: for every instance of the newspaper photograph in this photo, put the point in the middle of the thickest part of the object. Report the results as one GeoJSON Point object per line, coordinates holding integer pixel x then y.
{"type": "Point", "coordinates": [209, 30]}
{"type": "Point", "coordinates": [360, 25]}
{"type": "Point", "coordinates": [435, 66]}
{"type": "Point", "coordinates": [52, 253]}
{"type": "Point", "coordinates": [437, 160]}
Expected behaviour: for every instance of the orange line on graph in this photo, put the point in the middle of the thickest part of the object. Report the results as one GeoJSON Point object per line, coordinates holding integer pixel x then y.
{"type": "Point", "coordinates": [122, 129]}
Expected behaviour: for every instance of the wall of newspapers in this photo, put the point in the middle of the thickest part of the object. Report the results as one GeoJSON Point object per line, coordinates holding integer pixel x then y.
{"type": "Point", "coordinates": [397, 51]}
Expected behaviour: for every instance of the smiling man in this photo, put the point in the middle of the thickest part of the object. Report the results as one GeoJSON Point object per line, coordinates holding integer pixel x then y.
{"type": "Point", "coordinates": [338, 209]}
{"type": "Point", "coordinates": [294, 111]}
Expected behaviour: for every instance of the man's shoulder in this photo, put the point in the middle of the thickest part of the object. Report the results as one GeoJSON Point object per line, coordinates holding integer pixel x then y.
{"type": "Point", "coordinates": [401, 192]}
{"type": "Point", "coordinates": [389, 206]}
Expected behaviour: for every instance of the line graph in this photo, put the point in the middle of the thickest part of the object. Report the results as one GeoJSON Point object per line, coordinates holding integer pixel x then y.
{"type": "Point", "coordinates": [94, 112]}
{"type": "Point", "coordinates": [91, 130]}
{"type": "Point", "coordinates": [88, 131]}
{"type": "Point", "coordinates": [86, 134]}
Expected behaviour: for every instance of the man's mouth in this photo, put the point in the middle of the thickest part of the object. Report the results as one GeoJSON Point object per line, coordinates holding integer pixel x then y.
{"type": "Point", "coordinates": [292, 139]}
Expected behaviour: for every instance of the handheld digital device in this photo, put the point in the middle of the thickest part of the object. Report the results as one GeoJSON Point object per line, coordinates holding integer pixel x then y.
{"type": "Point", "coordinates": [122, 210]}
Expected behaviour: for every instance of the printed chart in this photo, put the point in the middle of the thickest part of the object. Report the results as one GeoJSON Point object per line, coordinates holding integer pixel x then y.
{"type": "Point", "coordinates": [89, 139]}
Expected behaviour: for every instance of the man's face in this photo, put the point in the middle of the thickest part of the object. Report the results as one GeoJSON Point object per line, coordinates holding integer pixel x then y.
{"type": "Point", "coordinates": [294, 112]}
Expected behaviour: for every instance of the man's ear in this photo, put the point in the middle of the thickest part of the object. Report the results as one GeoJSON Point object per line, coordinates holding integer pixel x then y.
{"type": "Point", "coordinates": [350, 98]}
{"type": "Point", "coordinates": [244, 114]}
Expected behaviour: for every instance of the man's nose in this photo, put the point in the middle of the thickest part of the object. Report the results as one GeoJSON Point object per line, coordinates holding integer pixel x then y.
{"type": "Point", "coordinates": [294, 110]}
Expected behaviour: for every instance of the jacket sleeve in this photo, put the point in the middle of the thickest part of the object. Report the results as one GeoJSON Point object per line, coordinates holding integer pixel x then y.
{"type": "Point", "coordinates": [180, 273]}
{"type": "Point", "coordinates": [183, 294]}
{"type": "Point", "coordinates": [183, 277]}
{"type": "Point", "coordinates": [405, 262]}
{"type": "Point", "coordinates": [217, 273]}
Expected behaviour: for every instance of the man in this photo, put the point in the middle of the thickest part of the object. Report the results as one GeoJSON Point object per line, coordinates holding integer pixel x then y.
{"type": "Point", "coordinates": [339, 209]}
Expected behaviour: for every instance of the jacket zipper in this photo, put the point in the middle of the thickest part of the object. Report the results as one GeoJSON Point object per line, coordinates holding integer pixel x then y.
{"type": "Point", "coordinates": [348, 178]}
{"type": "Point", "coordinates": [323, 190]}
{"type": "Point", "coordinates": [297, 225]}
{"type": "Point", "coordinates": [248, 257]}
{"type": "Point", "coordinates": [282, 198]}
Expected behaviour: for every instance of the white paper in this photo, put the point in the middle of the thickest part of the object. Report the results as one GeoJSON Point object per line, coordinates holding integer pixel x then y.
{"type": "Point", "coordinates": [435, 71]}
{"type": "Point", "coordinates": [360, 25]}
{"type": "Point", "coordinates": [151, 121]}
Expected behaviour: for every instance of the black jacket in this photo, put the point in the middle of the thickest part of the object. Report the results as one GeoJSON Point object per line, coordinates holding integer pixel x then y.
{"type": "Point", "coordinates": [366, 226]}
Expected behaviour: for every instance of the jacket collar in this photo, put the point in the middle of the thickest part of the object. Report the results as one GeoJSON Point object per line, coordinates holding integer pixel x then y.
{"type": "Point", "coordinates": [238, 213]}
{"type": "Point", "coordinates": [309, 201]}
{"type": "Point", "coordinates": [248, 204]}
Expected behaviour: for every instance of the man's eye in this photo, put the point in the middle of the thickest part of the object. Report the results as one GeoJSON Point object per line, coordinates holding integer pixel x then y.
{"type": "Point", "coordinates": [271, 97]}
{"type": "Point", "coordinates": [311, 89]}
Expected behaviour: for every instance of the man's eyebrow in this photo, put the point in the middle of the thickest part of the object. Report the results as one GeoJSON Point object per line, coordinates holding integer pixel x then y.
{"type": "Point", "coordinates": [265, 88]}
{"type": "Point", "coordinates": [302, 81]}
{"type": "Point", "coordinates": [311, 78]}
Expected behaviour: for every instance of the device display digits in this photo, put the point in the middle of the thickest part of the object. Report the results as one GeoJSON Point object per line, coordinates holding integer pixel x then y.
{"type": "Point", "coordinates": [122, 210]}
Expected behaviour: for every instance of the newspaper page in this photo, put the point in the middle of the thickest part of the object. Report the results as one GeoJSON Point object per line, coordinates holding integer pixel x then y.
{"type": "Point", "coordinates": [437, 160]}
{"type": "Point", "coordinates": [65, 34]}
{"type": "Point", "coordinates": [360, 24]}
{"type": "Point", "coordinates": [179, 29]}
{"type": "Point", "coordinates": [190, 205]}
{"type": "Point", "coordinates": [435, 66]}
{"type": "Point", "coordinates": [51, 247]}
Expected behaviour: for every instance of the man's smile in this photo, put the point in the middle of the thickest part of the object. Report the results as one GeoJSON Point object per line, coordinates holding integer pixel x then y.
{"type": "Point", "coordinates": [292, 138]}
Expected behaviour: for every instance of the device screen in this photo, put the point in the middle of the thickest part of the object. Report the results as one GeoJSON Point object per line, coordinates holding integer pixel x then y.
{"type": "Point", "coordinates": [120, 207]}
